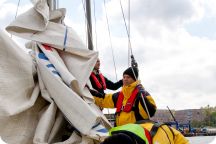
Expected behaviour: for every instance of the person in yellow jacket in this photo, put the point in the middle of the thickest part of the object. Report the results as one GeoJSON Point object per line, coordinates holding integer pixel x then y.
{"type": "Point", "coordinates": [145, 134]}
{"type": "Point", "coordinates": [132, 103]}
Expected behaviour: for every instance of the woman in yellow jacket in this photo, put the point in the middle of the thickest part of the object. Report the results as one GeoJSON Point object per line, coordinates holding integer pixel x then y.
{"type": "Point", "coordinates": [132, 103]}
{"type": "Point", "coordinates": [144, 134]}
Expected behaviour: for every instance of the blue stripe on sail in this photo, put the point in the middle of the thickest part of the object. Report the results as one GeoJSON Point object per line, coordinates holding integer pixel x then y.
{"type": "Point", "coordinates": [104, 130]}
{"type": "Point", "coordinates": [50, 65]}
{"type": "Point", "coordinates": [42, 56]}
{"type": "Point", "coordinates": [97, 124]}
{"type": "Point", "coordinates": [55, 72]}
{"type": "Point", "coordinates": [65, 37]}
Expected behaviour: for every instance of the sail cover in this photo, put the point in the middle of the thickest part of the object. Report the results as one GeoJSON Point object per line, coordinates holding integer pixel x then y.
{"type": "Point", "coordinates": [44, 93]}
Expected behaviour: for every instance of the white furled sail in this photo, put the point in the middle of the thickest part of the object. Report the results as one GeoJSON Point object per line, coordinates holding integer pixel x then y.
{"type": "Point", "coordinates": [41, 94]}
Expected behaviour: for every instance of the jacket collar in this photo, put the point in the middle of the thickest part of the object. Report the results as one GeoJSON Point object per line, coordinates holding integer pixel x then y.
{"type": "Point", "coordinates": [127, 90]}
{"type": "Point", "coordinates": [96, 71]}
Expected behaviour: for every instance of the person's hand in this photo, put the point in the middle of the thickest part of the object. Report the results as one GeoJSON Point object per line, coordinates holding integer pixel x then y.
{"type": "Point", "coordinates": [141, 88]}
{"type": "Point", "coordinates": [96, 93]}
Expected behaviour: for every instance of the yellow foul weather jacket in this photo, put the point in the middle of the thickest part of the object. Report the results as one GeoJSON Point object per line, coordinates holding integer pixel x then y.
{"type": "Point", "coordinates": [165, 135]}
{"type": "Point", "coordinates": [138, 111]}
{"type": "Point", "coordinates": [156, 133]}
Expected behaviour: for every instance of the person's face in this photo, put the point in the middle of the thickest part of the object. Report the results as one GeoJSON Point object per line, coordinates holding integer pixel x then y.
{"type": "Point", "coordinates": [97, 65]}
{"type": "Point", "coordinates": [127, 80]}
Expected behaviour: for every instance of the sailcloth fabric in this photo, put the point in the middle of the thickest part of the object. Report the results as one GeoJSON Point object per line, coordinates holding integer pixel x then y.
{"type": "Point", "coordinates": [41, 94]}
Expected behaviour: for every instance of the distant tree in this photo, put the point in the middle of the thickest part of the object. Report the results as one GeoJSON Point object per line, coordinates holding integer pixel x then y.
{"type": "Point", "coordinates": [210, 116]}
{"type": "Point", "coordinates": [197, 124]}
{"type": "Point", "coordinates": [213, 119]}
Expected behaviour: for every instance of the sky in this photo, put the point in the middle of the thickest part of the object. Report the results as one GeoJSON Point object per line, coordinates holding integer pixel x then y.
{"type": "Point", "coordinates": [173, 42]}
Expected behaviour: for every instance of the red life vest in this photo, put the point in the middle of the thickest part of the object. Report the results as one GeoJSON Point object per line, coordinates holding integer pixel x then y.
{"type": "Point", "coordinates": [128, 106]}
{"type": "Point", "coordinates": [98, 84]}
{"type": "Point", "coordinates": [148, 135]}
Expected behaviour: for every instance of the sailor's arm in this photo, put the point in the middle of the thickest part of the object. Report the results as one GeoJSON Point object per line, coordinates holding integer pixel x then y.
{"type": "Point", "coordinates": [103, 100]}
{"type": "Point", "coordinates": [146, 98]}
{"type": "Point", "coordinates": [179, 138]}
{"type": "Point", "coordinates": [113, 86]}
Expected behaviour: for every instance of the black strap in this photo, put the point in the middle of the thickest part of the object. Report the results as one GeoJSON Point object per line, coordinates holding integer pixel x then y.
{"type": "Point", "coordinates": [145, 121]}
{"type": "Point", "coordinates": [155, 128]}
{"type": "Point", "coordinates": [172, 132]}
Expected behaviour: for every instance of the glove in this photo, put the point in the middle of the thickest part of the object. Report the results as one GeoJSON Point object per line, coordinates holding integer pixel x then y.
{"type": "Point", "coordinates": [142, 90]}
{"type": "Point", "coordinates": [96, 93]}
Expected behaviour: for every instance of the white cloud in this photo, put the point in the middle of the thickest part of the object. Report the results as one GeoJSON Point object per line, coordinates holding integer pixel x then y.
{"type": "Point", "coordinates": [180, 70]}
{"type": "Point", "coordinates": [210, 7]}
{"type": "Point", "coordinates": [8, 12]}
{"type": "Point", "coordinates": [176, 67]}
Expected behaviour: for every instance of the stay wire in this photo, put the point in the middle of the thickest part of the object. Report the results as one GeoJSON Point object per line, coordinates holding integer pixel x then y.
{"type": "Point", "coordinates": [110, 46]}
{"type": "Point", "coordinates": [110, 40]}
{"type": "Point", "coordinates": [18, 3]}
{"type": "Point", "coordinates": [95, 26]}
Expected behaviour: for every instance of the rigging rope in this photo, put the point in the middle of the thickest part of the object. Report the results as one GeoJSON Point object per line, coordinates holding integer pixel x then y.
{"type": "Point", "coordinates": [18, 3]}
{"type": "Point", "coordinates": [17, 8]}
{"type": "Point", "coordinates": [110, 40]}
{"type": "Point", "coordinates": [127, 30]}
{"type": "Point", "coordinates": [133, 62]}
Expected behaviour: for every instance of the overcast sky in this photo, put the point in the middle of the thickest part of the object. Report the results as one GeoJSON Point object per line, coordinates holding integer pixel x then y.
{"type": "Point", "coordinates": [173, 42]}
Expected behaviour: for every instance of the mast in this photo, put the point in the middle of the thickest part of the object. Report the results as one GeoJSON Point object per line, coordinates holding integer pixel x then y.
{"type": "Point", "coordinates": [171, 114]}
{"type": "Point", "coordinates": [177, 125]}
{"type": "Point", "coordinates": [89, 24]}
{"type": "Point", "coordinates": [52, 4]}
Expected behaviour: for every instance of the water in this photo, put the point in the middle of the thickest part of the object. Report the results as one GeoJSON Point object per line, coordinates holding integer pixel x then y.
{"type": "Point", "coordinates": [193, 140]}
{"type": "Point", "coordinates": [202, 140]}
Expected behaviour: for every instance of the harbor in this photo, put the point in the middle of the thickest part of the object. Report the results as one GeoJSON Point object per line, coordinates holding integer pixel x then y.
{"type": "Point", "coordinates": [202, 139]}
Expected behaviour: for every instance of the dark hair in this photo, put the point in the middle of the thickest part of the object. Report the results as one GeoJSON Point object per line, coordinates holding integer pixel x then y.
{"type": "Point", "coordinates": [119, 138]}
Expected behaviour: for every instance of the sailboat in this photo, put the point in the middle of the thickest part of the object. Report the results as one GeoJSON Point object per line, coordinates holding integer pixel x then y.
{"type": "Point", "coordinates": [43, 93]}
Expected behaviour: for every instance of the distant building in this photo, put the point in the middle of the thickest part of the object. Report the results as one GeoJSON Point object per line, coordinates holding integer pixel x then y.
{"type": "Point", "coordinates": [163, 116]}
{"type": "Point", "coordinates": [182, 116]}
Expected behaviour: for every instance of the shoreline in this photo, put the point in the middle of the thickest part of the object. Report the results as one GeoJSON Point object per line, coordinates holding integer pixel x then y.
{"type": "Point", "coordinates": [199, 134]}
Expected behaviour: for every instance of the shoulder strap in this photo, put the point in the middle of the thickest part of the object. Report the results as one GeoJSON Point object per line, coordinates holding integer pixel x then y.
{"type": "Point", "coordinates": [155, 128]}
{"type": "Point", "coordinates": [96, 81]}
{"type": "Point", "coordinates": [148, 135]}
{"type": "Point", "coordinates": [119, 102]}
{"type": "Point", "coordinates": [172, 132]}
{"type": "Point", "coordinates": [145, 121]}
{"type": "Point", "coordinates": [103, 80]}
